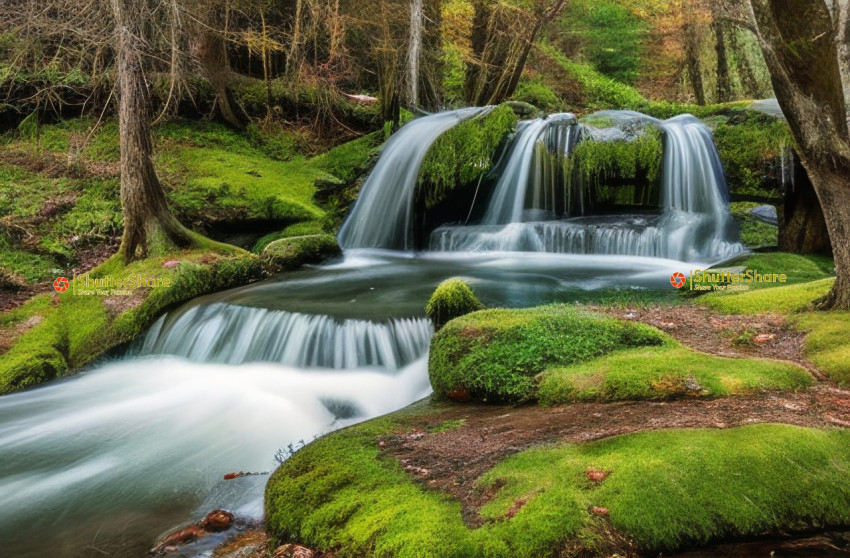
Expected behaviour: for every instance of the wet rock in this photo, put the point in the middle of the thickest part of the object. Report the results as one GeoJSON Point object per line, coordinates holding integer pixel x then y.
{"type": "Point", "coordinates": [217, 520]}
{"type": "Point", "coordinates": [183, 536]}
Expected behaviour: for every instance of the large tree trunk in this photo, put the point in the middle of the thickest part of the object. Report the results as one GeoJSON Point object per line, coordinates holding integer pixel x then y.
{"type": "Point", "coordinates": [414, 52]}
{"type": "Point", "coordinates": [477, 77]}
{"type": "Point", "coordinates": [148, 223]}
{"type": "Point", "coordinates": [724, 84]}
{"type": "Point", "coordinates": [211, 50]}
{"type": "Point", "coordinates": [692, 60]}
{"type": "Point", "coordinates": [799, 42]}
{"type": "Point", "coordinates": [802, 228]}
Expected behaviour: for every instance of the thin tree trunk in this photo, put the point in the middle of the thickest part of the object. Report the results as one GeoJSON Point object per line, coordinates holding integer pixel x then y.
{"type": "Point", "coordinates": [692, 59]}
{"type": "Point", "coordinates": [265, 54]}
{"type": "Point", "coordinates": [745, 69]}
{"type": "Point", "coordinates": [211, 50]}
{"type": "Point", "coordinates": [476, 70]}
{"type": "Point", "coordinates": [414, 52]}
{"type": "Point", "coordinates": [148, 223]}
{"type": "Point", "coordinates": [724, 85]}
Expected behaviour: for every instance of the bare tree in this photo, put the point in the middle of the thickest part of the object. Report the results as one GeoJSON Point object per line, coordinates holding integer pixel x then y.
{"type": "Point", "coordinates": [148, 223]}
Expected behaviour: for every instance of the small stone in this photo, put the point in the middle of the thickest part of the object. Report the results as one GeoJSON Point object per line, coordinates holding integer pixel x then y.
{"type": "Point", "coordinates": [459, 394]}
{"type": "Point", "coordinates": [293, 551]}
{"type": "Point", "coordinates": [763, 338]}
{"type": "Point", "coordinates": [171, 263]}
{"type": "Point", "coordinates": [600, 511]}
{"type": "Point", "coordinates": [630, 316]}
{"type": "Point", "coordinates": [231, 476]}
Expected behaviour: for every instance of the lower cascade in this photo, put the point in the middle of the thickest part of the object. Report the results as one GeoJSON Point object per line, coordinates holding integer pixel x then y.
{"type": "Point", "coordinates": [234, 334]}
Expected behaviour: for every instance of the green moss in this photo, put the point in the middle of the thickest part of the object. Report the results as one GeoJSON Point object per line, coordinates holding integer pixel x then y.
{"type": "Point", "coordinates": [664, 373]}
{"type": "Point", "coordinates": [291, 253]}
{"type": "Point", "coordinates": [305, 228]}
{"type": "Point", "coordinates": [348, 160]}
{"type": "Point", "coordinates": [828, 343]}
{"type": "Point", "coordinates": [451, 299]}
{"type": "Point", "coordinates": [463, 154]}
{"type": "Point", "coordinates": [666, 489]}
{"type": "Point", "coordinates": [777, 300]}
{"type": "Point", "coordinates": [535, 91]}
{"type": "Point", "coordinates": [495, 354]}
{"type": "Point", "coordinates": [749, 146]}
{"type": "Point", "coordinates": [73, 328]}
{"type": "Point", "coordinates": [624, 159]}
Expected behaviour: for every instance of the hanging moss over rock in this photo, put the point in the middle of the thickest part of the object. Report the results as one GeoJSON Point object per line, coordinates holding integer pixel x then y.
{"type": "Point", "coordinates": [451, 299]}
{"type": "Point", "coordinates": [464, 154]}
{"type": "Point", "coordinates": [624, 159]}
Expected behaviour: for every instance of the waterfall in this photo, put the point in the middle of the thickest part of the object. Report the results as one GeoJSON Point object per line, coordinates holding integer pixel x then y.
{"type": "Point", "coordinates": [382, 216]}
{"type": "Point", "coordinates": [528, 171]}
{"type": "Point", "coordinates": [536, 208]}
{"type": "Point", "coordinates": [231, 334]}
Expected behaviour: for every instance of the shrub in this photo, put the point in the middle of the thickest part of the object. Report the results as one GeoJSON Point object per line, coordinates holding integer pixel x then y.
{"type": "Point", "coordinates": [493, 355]}
{"type": "Point", "coordinates": [451, 299]}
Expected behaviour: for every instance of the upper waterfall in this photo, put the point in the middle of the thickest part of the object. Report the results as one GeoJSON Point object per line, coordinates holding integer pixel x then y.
{"type": "Point", "coordinates": [382, 216]}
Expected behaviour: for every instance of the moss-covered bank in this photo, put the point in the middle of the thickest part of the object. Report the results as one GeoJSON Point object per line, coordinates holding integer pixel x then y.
{"type": "Point", "coordinates": [54, 334]}
{"type": "Point", "coordinates": [661, 490]}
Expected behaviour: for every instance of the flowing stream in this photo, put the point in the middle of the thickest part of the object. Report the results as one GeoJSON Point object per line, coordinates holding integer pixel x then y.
{"type": "Point", "coordinates": [110, 459]}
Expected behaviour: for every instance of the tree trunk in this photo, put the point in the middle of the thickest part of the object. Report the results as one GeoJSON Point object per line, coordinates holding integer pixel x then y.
{"type": "Point", "coordinates": [724, 85]}
{"type": "Point", "coordinates": [414, 52]}
{"type": "Point", "coordinates": [799, 43]}
{"type": "Point", "coordinates": [692, 60]}
{"type": "Point", "coordinates": [148, 223]}
{"type": "Point", "coordinates": [211, 50]}
{"type": "Point", "coordinates": [745, 69]}
{"type": "Point", "coordinates": [476, 70]}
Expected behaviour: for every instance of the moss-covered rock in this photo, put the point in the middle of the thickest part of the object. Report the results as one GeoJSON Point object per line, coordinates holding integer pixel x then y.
{"type": "Point", "coordinates": [451, 299]}
{"type": "Point", "coordinates": [463, 154]}
{"type": "Point", "coordinates": [291, 253]}
{"type": "Point", "coordinates": [494, 355]}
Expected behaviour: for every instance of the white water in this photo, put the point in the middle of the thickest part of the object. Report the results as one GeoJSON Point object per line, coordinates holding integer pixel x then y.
{"type": "Point", "coordinates": [527, 172]}
{"type": "Point", "coordinates": [382, 216]}
{"type": "Point", "coordinates": [233, 334]}
{"type": "Point", "coordinates": [694, 225]}
{"type": "Point", "coordinates": [93, 456]}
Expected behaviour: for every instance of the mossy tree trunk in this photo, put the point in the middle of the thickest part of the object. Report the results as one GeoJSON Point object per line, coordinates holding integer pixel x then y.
{"type": "Point", "coordinates": [800, 45]}
{"type": "Point", "coordinates": [744, 69]}
{"type": "Point", "coordinates": [147, 219]}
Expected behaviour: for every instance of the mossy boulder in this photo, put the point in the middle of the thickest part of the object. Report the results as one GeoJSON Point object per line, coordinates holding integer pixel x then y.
{"type": "Point", "coordinates": [451, 299]}
{"type": "Point", "coordinates": [291, 253]}
{"type": "Point", "coordinates": [494, 355]}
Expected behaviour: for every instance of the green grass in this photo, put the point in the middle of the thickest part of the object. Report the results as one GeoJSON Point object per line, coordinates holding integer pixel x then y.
{"type": "Point", "coordinates": [777, 300]}
{"type": "Point", "coordinates": [828, 343]}
{"type": "Point", "coordinates": [664, 373]}
{"type": "Point", "coordinates": [666, 489]}
{"type": "Point", "coordinates": [495, 354]}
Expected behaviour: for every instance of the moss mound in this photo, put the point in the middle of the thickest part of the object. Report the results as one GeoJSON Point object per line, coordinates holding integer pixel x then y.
{"type": "Point", "coordinates": [291, 253]}
{"type": "Point", "coordinates": [665, 373]}
{"type": "Point", "coordinates": [493, 355]}
{"type": "Point", "coordinates": [828, 343]}
{"type": "Point", "coordinates": [666, 490]}
{"type": "Point", "coordinates": [451, 299]}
